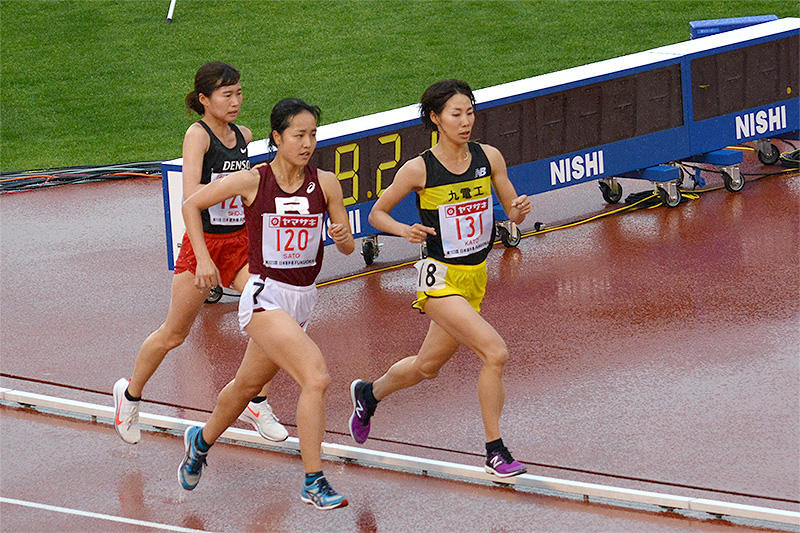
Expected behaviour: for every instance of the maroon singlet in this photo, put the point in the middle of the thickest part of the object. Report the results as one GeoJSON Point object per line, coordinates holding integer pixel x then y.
{"type": "Point", "coordinates": [270, 199]}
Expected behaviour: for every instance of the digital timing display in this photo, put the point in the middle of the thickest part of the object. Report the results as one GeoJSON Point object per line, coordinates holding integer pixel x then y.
{"type": "Point", "coordinates": [524, 131]}
{"type": "Point", "coordinates": [745, 77]}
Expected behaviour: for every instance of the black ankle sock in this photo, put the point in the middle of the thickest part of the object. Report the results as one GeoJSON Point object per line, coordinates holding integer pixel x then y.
{"type": "Point", "coordinates": [311, 477]}
{"type": "Point", "coordinates": [369, 397]}
{"type": "Point", "coordinates": [258, 399]}
{"type": "Point", "coordinates": [202, 445]}
{"type": "Point", "coordinates": [494, 446]}
{"type": "Point", "coordinates": [131, 398]}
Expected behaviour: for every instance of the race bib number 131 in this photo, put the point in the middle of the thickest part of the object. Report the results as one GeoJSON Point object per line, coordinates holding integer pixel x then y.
{"type": "Point", "coordinates": [466, 227]}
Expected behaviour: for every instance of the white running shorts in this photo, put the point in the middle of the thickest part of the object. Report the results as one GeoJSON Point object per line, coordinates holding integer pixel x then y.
{"type": "Point", "coordinates": [267, 294]}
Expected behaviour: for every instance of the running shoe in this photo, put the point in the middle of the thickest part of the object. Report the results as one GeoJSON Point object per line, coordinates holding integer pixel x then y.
{"type": "Point", "coordinates": [501, 464]}
{"type": "Point", "coordinates": [126, 414]}
{"type": "Point", "coordinates": [263, 420]}
{"type": "Point", "coordinates": [191, 467]}
{"type": "Point", "coordinates": [359, 420]}
{"type": "Point", "coordinates": [321, 495]}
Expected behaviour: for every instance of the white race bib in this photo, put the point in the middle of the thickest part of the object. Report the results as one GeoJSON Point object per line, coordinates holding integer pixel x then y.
{"type": "Point", "coordinates": [229, 212]}
{"type": "Point", "coordinates": [290, 241]}
{"type": "Point", "coordinates": [466, 227]}
{"type": "Point", "coordinates": [430, 275]}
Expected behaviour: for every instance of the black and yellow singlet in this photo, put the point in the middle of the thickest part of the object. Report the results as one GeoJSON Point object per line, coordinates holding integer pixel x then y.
{"type": "Point", "coordinates": [459, 207]}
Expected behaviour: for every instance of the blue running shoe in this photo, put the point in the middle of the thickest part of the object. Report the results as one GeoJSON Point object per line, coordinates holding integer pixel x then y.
{"type": "Point", "coordinates": [322, 495]}
{"type": "Point", "coordinates": [191, 467]}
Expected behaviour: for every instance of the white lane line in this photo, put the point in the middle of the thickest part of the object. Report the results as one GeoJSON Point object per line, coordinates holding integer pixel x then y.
{"type": "Point", "coordinates": [90, 514]}
{"type": "Point", "coordinates": [418, 465]}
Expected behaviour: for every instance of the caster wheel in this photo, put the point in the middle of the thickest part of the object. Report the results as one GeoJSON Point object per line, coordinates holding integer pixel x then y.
{"type": "Point", "coordinates": [368, 251]}
{"type": "Point", "coordinates": [510, 239]}
{"type": "Point", "coordinates": [730, 184]}
{"type": "Point", "coordinates": [214, 295]}
{"type": "Point", "coordinates": [666, 200]}
{"type": "Point", "coordinates": [611, 193]}
{"type": "Point", "coordinates": [770, 157]}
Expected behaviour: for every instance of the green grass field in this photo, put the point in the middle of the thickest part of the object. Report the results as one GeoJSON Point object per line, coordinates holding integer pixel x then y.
{"type": "Point", "coordinates": [102, 81]}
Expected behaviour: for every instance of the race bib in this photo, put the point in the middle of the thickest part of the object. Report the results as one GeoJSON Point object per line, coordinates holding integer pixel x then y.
{"type": "Point", "coordinates": [430, 275]}
{"type": "Point", "coordinates": [290, 241]}
{"type": "Point", "coordinates": [229, 212]}
{"type": "Point", "coordinates": [466, 227]}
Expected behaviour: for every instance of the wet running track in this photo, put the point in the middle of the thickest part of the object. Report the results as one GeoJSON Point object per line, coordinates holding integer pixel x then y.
{"type": "Point", "coordinates": [655, 350]}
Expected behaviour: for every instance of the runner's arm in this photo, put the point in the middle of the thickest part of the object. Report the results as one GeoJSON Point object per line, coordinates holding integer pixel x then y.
{"type": "Point", "coordinates": [516, 207]}
{"type": "Point", "coordinates": [244, 183]}
{"type": "Point", "coordinates": [339, 227]}
{"type": "Point", "coordinates": [410, 177]}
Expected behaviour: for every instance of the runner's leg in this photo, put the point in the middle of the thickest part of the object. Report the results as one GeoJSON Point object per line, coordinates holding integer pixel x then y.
{"type": "Point", "coordinates": [458, 319]}
{"type": "Point", "coordinates": [185, 303]}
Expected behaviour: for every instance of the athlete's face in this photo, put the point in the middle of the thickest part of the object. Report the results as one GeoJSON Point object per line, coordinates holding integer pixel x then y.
{"type": "Point", "coordinates": [224, 103]}
{"type": "Point", "coordinates": [297, 142]}
{"type": "Point", "coordinates": [456, 119]}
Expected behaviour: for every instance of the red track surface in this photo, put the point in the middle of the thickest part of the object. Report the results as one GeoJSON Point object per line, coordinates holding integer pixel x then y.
{"type": "Point", "coordinates": [655, 350]}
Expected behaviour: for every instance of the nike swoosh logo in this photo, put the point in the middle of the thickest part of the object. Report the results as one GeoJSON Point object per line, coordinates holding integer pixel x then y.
{"type": "Point", "coordinates": [117, 421]}
{"type": "Point", "coordinates": [251, 410]}
{"type": "Point", "coordinates": [243, 150]}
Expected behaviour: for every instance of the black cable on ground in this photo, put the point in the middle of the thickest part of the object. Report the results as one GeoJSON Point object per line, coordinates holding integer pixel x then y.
{"type": "Point", "coordinates": [31, 180]}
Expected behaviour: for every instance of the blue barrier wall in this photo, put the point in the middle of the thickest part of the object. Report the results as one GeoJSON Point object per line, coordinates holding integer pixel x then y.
{"type": "Point", "coordinates": [595, 121]}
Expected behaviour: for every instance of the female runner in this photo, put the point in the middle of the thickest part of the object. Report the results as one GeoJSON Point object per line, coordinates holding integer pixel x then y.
{"type": "Point", "coordinates": [212, 147]}
{"type": "Point", "coordinates": [453, 182]}
{"type": "Point", "coordinates": [284, 201]}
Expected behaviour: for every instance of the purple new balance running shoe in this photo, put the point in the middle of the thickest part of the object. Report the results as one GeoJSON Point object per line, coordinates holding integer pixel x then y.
{"type": "Point", "coordinates": [501, 464]}
{"type": "Point", "coordinates": [359, 420]}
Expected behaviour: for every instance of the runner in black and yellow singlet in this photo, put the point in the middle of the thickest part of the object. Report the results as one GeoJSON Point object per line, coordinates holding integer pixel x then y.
{"type": "Point", "coordinates": [459, 209]}
{"type": "Point", "coordinates": [453, 182]}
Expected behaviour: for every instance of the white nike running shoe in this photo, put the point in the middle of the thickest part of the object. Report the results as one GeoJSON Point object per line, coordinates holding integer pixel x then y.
{"type": "Point", "coordinates": [263, 420]}
{"type": "Point", "coordinates": [126, 414]}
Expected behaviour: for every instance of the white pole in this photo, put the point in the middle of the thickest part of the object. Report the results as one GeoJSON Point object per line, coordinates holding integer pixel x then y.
{"type": "Point", "coordinates": [171, 10]}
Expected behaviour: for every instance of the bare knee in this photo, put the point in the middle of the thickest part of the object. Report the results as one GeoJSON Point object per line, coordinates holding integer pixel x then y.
{"type": "Point", "coordinates": [317, 383]}
{"type": "Point", "coordinates": [170, 339]}
{"type": "Point", "coordinates": [496, 356]}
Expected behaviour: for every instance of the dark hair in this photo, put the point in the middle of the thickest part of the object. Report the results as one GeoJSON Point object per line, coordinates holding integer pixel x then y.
{"type": "Point", "coordinates": [210, 77]}
{"type": "Point", "coordinates": [285, 110]}
{"type": "Point", "coordinates": [436, 96]}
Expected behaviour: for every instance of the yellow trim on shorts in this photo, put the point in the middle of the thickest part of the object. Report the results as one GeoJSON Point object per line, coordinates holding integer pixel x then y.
{"type": "Point", "coordinates": [473, 295]}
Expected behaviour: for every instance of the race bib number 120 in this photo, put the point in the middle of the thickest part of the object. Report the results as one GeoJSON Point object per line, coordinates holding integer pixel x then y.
{"type": "Point", "coordinates": [290, 241]}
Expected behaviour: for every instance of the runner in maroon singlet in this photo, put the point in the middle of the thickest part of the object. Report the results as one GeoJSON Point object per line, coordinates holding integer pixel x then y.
{"type": "Point", "coordinates": [285, 202]}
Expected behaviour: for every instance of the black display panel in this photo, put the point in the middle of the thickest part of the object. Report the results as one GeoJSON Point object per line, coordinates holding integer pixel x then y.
{"type": "Point", "coordinates": [524, 131]}
{"type": "Point", "coordinates": [746, 77]}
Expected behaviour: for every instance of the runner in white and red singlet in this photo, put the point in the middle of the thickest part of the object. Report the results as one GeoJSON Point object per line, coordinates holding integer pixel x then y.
{"type": "Point", "coordinates": [285, 203]}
